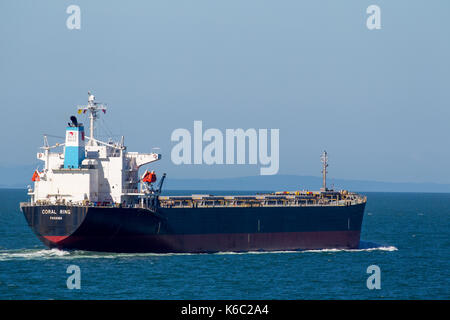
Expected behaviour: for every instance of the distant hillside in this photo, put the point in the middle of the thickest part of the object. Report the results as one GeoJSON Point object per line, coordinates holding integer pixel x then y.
{"type": "Point", "coordinates": [20, 177]}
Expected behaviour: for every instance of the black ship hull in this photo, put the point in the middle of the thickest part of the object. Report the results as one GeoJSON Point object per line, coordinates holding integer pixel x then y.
{"type": "Point", "coordinates": [196, 230]}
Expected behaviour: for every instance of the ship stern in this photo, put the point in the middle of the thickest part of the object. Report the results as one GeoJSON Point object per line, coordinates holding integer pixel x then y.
{"type": "Point", "coordinates": [54, 224]}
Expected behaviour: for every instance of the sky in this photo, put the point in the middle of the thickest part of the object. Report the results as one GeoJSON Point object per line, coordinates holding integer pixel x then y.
{"type": "Point", "coordinates": [376, 100]}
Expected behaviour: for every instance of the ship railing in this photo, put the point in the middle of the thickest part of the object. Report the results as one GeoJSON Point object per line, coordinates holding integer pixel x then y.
{"type": "Point", "coordinates": [130, 191]}
{"type": "Point", "coordinates": [220, 202]}
{"type": "Point", "coordinates": [85, 203]}
{"type": "Point", "coordinates": [197, 203]}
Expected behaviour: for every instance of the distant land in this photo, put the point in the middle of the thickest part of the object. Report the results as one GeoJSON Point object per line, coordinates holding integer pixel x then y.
{"type": "Point", "coordinates": [20, 177]}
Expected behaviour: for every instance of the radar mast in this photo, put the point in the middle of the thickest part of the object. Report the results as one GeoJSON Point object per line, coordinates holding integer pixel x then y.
{"type": "Point", "coordinates": [324, 159]}
{"type": "Point", "coordinates": [93, 108]}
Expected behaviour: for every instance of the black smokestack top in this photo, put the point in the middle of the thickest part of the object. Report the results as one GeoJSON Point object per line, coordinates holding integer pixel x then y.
{"type": "Point", "coordinates": [74, 121]}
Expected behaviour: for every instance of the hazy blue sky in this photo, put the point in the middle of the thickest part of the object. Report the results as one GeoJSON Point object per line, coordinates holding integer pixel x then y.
{"type": "Point", "coordinates": [378, 101]}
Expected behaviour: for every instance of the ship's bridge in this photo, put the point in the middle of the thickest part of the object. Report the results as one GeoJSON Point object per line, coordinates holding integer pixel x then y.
{"type": "Point", "coordinates": [89, 170]}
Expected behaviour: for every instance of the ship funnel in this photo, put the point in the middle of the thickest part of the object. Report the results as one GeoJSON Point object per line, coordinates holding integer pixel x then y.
{"type": "Point", "coordinates": [74, 152]}
{"type": "Point", "coordinates": [74, 121]}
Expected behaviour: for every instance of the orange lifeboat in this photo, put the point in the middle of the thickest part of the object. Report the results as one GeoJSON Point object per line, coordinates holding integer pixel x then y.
{"type": "Point", "coordinates": [35, 176]}
{"type": "Point", "coordinates": [149, 177]}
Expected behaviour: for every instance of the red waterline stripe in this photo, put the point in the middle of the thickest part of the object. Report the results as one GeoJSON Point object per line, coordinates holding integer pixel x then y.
{"type": "Point", "coordinates": [55, 238]}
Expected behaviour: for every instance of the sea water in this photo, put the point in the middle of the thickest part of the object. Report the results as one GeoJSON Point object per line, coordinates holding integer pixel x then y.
{"type": "Point", "coordinates": [405, 234]}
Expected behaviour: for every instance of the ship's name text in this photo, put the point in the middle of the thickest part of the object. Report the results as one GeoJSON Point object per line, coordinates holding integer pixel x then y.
{"type": "Point", "coordinates": [53, 211]}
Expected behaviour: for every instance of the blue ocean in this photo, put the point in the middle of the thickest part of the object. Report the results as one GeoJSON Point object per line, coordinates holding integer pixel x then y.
{"type": "Point", "coordinates": [405, 234]}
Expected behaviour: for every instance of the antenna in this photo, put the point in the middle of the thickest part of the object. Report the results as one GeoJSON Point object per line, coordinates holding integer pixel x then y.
{"type": "Point", "coordinates": [46, 145]}
{"type": "Point", "coordinates": [93, 108]}
{"type": "Point", "coordinates": [324, 160]}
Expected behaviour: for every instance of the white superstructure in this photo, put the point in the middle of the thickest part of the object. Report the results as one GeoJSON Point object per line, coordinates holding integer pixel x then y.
{"type": "Point", "coordinates": [91, 171]}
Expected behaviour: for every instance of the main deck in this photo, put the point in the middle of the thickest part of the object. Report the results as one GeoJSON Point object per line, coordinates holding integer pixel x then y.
{"type": "Point", "coordinates": [278, 199]}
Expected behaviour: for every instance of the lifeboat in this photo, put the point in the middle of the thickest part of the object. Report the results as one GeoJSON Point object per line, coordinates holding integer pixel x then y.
{"type": "Point", "coordinates": [35, 176]}
{"type": "Point", "coordinates": [149, 177]}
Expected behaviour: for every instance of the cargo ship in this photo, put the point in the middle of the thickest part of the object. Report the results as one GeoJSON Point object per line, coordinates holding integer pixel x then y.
{"type": "Point", "coordinates": [91, 196]}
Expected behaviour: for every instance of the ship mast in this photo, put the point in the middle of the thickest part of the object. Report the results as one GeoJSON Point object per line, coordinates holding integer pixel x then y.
{"type": "Point", "coordinates": [324, 159]}
{"type": "Point", "coordinates": [93, 108]}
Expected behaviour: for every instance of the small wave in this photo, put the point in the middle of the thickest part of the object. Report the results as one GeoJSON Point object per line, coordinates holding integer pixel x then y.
{"type": "Point", "coordinates": [44, 254]}
{"type": "Point", "coordinates": [363, 246]}
{"type": "Point", "coordinates": [29, 254]}
{"type": "Point", "coordinates": [389, 248]}
{"type": "Point", "coordinates": [370, 246]}
{"type": "Point", "coordinates": [112, 255]}
{"type": "Point", "coordinates": [256, 252]}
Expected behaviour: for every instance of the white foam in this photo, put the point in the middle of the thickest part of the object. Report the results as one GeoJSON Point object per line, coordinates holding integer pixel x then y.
{"type": "Point", "coordinates": [389, 248]}
{"type": "Point", "coordinates": [29, 254]}
{"type": "Point", "coordinates": [364, 246]}
{"type": "Point", "coordinates": [42, 254]}
{"type": "Point", "coordinates": [256, 252]}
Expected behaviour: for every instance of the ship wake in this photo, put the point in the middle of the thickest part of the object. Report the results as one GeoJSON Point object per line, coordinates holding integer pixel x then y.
{"type": "Point", "coordinates": [45, 254]}
{"type": "Point", "coordinates": [31, 254]}
{"type": "Point", "coordinates": [48, 254]}
{"type": "Point", "coordinates": [364, 246]}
